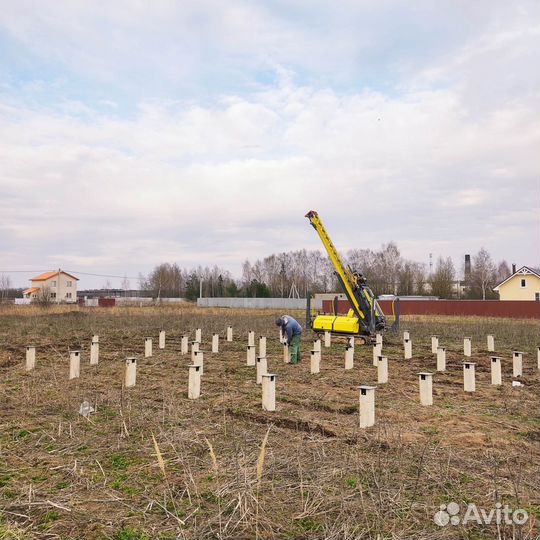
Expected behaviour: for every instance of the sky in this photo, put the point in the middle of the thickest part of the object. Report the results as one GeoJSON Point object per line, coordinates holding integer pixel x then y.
{"type": "Point", "coordinates": [201, 132]}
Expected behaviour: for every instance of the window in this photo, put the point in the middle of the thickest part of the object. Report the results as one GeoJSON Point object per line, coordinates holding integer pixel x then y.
{"type": "Point", "coordinates": [523, 283]}
{"type": "Point", "coordinates": [537, 296]}
{"type": "Point", "coordinates": [68, 283]}
{"type": "Point", "coordinates": [68, 295]}
{"type": "Point", "coordinates": [53, 295]}
{"type": "Point", "coordinates": [53, 283]}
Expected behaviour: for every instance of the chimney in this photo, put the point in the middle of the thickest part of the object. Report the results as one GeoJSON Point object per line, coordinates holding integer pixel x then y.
{"type": "Point", "coordinates": [467, 267]}
{"type": "Point", "coordinates": [513, 268]}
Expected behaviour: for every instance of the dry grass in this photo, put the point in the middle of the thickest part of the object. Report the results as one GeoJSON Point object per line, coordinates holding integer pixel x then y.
{"type": "Point", "coordinates": [149, 462]}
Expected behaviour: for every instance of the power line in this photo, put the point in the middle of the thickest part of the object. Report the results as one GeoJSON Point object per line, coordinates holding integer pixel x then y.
{"type": "Point", "coordinates": [100, 275]}
{"type": "Point", "coordinates": [23, 271]}
{"type": "Point", "coordinates": [68, 271]}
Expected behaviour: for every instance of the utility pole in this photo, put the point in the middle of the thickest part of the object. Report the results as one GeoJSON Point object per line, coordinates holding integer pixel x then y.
{"type": "Point", "coordinates": [282, 275]}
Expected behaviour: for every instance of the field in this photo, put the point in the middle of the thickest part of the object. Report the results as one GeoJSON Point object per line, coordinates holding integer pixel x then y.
{"type": "Point", "coordinates": [151, 463]}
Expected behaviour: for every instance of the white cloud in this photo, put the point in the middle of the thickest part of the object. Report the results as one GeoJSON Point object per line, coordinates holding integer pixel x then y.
{"type": "Point", "coordinates": [170, 183]}
{"type": "Point", "coordinates": [446, 164]}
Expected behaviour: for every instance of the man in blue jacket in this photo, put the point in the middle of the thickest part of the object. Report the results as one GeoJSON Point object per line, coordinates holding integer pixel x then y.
{"type": "Point", "coordinates": [291, 332]}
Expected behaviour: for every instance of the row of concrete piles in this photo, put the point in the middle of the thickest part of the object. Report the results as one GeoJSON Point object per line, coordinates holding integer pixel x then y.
{"type": "Point", "coordinates": [74, 358]}
{"type": "Point", "coordinates": [75, 355]}
{"type": "Point", "coordinates": [196, 369]}
{"type": "Point", "coordinates": [367, 393]}
{"type": "Point", "coordinates": [268, 380]}
{"type": "Point", "coordinates": [378, 360]}
{"type": "Point", "coordinates": [265, 379]}
{"type": "Point", "coordinates": [496, 373]}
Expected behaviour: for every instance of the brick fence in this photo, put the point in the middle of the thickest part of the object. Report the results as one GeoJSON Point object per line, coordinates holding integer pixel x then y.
{"type": "Point", "coordinates": [513, 309]}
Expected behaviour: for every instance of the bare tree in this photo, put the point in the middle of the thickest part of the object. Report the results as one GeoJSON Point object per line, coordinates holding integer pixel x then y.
{"type": "Point", "coordinates": [389, 267]}
{"type": "Point", "coordinates": [125, 285]}
{"type": "Point", "coordinates": [169, 280]}
{"type": "Point", "coordinates": [503, 271]}
{"type": "Point", "coordinates": [420, 278]}
{"type": "Point", "coordinates": [483, 274]}
{"type": "Point", "coordinates": [5, 286]}
{"type": "Point", "coordinates": [43, 297]}
{"type": "Point", "coordinates": [143, 283]}
{"type": "Point", "coordinates": [442, 279]}
{"type": "Point", "coordinates": [406, 284]}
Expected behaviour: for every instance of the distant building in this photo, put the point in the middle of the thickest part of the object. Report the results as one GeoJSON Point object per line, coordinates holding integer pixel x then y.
{"type": "Point", "coordinates": [113, 293]}
{"type": "Point", "coordinates": [523, 284]}
{"type": "Point", "coordinates": [460, 288]}
{"type": "Point", "coordinates": [55, 287]}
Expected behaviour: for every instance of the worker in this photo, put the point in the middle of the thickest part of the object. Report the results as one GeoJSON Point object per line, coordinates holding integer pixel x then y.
{"type": "Point", "coordinates": [291, 331]}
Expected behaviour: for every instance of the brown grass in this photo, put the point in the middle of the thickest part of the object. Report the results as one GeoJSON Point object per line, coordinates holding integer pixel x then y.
{"type": "Point", "coordinates": [151, 462]}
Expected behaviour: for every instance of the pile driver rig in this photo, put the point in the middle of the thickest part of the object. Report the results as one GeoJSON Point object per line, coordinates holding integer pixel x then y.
{"type": "Point", "coordinates": [365, 318]}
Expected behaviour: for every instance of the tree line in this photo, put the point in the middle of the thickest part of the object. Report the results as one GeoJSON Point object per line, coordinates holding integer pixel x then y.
{"type": "Point", "coordinates": [302, 272]}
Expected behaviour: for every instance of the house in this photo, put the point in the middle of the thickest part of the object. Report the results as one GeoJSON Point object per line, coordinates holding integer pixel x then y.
{"type": "Point", "coordinates": [523, 284]}
{"type": "Point", "coordinates": [56, 287]}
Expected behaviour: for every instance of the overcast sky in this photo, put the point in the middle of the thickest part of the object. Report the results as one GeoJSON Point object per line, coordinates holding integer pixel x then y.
{"type": "Point", "coordinates": [201, 132]}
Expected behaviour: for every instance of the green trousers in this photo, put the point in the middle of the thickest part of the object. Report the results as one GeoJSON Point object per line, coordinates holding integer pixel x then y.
{"type": "Point", "coordinates": [294, 349]}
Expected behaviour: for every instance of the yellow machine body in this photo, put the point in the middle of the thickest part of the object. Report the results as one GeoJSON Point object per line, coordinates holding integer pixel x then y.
{"type": "Point", "coordinates": [336, 324]}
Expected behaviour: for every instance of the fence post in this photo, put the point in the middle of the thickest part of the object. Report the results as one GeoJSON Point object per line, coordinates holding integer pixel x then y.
{"type": "Point", "coordinates": [315, 362]}
{"type": "Point", "coordinates": [147, 347]}
{"type": "Point", "coordinates": [30, 357]}
{"type": "Point", "coordinates": [377, 351]}
{"type": "Point", "coordinates": [94, 353]}
{"type": "Point", "coordinates": [250, 355]}
{"type": "Point", "coordinates": [441, 359]}
{"type": "Point", "coordinates": [469, 382]}
{"type": "Point", "coordinates": [426, 388]}
{"type": "Point", "coordinates": [408, 349]}
{"type": "Point", "coordinates": [434, 344]}
{"type": "Point", "coordinates": [349, 357]}
{"type": "Point", "coordinates": [262, 368]}
{"type": "Point", "coordinates": [262, 346]}
{"type": "Point", "coordinates": [184, 345]}
{"type": "Point", "coordinates": [74, 364]}
{"type": "Point", "coordinates": [327, 339]}
{"type": "Point", "coordinates": [517, 364]}
{"type": "Point", "coordinates": [496, 371]}
{"type": "Point", "coordinates": [467, 346]}
{"type": "Point", "coordinates": [130, 376]}
{"type": "Point", "coordinates": [367, 406]}
{"type": "Point", "coordinates": [269, 392]}
{"type": "Point", "coordinates": [194, 381]}
{"type": "Point", "coordinates": [215, 343]}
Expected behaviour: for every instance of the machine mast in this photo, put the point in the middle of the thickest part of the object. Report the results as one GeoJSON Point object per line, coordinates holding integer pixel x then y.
{"type": "Point", "coordinates": [363, 302]}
